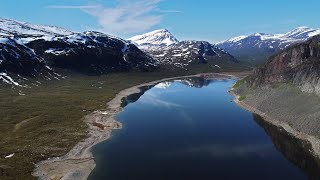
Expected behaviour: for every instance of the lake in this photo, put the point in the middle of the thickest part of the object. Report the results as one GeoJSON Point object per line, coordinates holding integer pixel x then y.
{"type": "Point", "coordinates": [190, 129]}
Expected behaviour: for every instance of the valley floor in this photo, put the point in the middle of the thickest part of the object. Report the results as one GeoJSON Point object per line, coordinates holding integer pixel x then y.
{"type": "Point", "coordinates": [49, 120]}
{"type": "Point", "coordinates": [79, 163]}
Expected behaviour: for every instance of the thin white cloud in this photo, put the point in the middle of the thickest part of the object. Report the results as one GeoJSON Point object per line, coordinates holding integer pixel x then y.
{"type": "Point", "coordinates": [152, 98]}
{"type": "Point", "coordinates": [128, 16]}
{"type": "Point", "coordinates": [159, 103]}
{"type": "Point", "coordinates": [170, 11]}
{"type": "Point", "coordinates": [72, 7]}
{"type": "Point", "coordinates": [125, 17]}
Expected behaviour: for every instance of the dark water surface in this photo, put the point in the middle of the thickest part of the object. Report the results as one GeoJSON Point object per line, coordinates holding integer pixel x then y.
{"type": "Point", "coordinates": [189, 130]}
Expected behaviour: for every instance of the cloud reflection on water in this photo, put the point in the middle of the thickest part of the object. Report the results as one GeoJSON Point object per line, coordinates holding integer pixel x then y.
{"type": "Point", "coordinates": [223, 150]}
{"type": "Point", "coordinates": [154, 99]}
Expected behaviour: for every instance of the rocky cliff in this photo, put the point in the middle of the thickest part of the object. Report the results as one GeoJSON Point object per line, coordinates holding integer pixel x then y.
{"type": "Point", "coordinates": [298, 64]}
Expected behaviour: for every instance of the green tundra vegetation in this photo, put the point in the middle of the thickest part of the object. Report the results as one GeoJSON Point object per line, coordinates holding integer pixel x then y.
{"type": "Point", "coordinates": [241, 98]}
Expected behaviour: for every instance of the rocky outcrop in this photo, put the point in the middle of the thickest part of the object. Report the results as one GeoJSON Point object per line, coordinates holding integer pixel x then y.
{"type": "Point", "coordinates": [299, 64]}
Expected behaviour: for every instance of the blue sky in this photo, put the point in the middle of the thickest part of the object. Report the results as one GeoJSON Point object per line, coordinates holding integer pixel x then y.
{"type": "Point", "coordinates": [209, 20]}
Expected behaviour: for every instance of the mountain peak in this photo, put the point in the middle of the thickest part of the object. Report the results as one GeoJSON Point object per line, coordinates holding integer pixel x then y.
{"type": "Point", "coordinates": [300, 29]}
{"type": "Point", "coordinates": [161, 30]}
{"type": "Point", "coordinates": [157, 37]}
{"type": "Point", "coordinates": [303, 28]}
{"type": "Point", "coordinates": [260, 34]}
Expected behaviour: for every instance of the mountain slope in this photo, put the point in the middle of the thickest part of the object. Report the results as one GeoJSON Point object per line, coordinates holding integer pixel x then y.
{"type": "Point", "coordinates": [19, 61]}
{"type": "Point", "coordinates": [16, 28]}
{"type": "Point", "coordinates": [187, 53]}
{"type": "Point", "coordinates": [92, 53]}
{"type": "Point", "coordinates": [258, 47]}
{"type": "Point", "coordinates": [38, 51]}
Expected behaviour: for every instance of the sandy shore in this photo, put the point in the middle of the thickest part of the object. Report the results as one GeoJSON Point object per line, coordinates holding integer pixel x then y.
{"type": "Point", "coordinates": [314, 142]}
{"type": "Point", "coordinates": [79, 162]}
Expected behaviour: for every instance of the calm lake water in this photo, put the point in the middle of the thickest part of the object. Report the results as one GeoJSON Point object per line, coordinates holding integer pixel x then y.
{"type": "Point", "coordinates": [189, 130]}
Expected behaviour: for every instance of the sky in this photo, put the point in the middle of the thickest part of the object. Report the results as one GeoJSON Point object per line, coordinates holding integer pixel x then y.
{"type": "Point", "coordinates": [210, 20]}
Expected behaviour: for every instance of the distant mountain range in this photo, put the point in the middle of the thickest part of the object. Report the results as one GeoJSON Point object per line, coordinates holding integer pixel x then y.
{"type": "Point", "coordinates": [28, 50]}
{"type": "Point", "coordinates": [163, 46]}
{"type": "Point", "coordinates": [256, 48]}
{"type": "Point", "coordinates": [47, 52]}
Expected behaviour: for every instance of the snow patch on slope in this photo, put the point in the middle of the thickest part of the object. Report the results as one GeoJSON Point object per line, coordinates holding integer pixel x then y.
{"type": "Point", "coordinates": [13, 27]}
{"type": "Point", "coordinates": [7, 79]}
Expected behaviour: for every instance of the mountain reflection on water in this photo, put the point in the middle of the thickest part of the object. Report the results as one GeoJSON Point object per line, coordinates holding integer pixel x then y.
{"type": "Point", "coordinates": [196, 82]}
{"type": "Point", "coordinates": [295, 150]}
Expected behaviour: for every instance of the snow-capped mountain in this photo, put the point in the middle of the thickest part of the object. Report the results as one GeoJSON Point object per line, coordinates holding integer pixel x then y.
{"type": "Point", "coordinates": [11, 27]}
{"type": "Point", "coordinates": [187, 53]}
{"type": "Point", "coordinates": [41, 51]}
{"type": "Point", "coordinates": [259, 46]}
{"type": "Point", "coordinates": [302, 33]}
{"type": "Point", "coordinates": [160, 37]}
{"type": "Point", "coordinates": [163, 46]}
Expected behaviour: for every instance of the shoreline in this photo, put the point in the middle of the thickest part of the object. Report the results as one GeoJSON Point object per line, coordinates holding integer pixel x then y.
{"type": "Point", "coordinates": [79, 161]}
{"type": "Point", "coordinates": [314, 141]}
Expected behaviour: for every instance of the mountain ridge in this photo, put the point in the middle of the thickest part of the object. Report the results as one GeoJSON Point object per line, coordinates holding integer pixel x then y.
{"type": "Point", "coordinates": [11, 27]}
{"type": "Point", "coordinates": [38, 51]}
{"type": "Point", "coordinates": [256, 48]}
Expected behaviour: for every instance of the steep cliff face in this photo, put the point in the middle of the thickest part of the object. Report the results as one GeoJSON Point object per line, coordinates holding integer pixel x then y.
{"type": "Point", "coordinates": [298, 64]}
